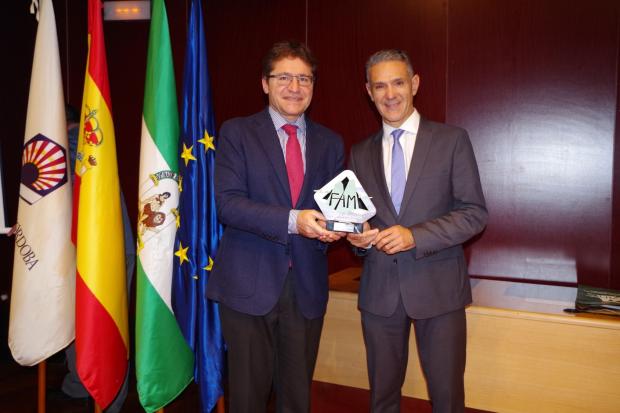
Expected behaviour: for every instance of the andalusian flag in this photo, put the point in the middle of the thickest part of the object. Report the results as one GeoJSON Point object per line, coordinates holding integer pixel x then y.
{"type": "Point", "coordinates": [164, 360]}
{"type": "Point", "coordinates": [102, 339]}
{"type": "Point", "coordinates": [42, 297]}
{"type": "Point", "coordinates": [199, 233]}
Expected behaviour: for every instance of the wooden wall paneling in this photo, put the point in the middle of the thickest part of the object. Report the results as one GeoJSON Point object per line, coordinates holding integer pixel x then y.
{"type": "Point", "coordinates": [614, 281]}
{"type": "Point", "coordinates": [239, 33]}
{"type": "Point", "coordinates": [343, 35]}
{"type": "Point", "coordinates": [534, 83]}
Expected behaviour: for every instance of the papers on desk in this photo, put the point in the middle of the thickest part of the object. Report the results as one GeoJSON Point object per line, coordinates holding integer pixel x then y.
{"type": "Point", "coordinates": [597, 300]}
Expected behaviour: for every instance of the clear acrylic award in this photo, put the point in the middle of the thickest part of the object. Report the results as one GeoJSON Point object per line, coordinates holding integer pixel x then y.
{"type": "Point", "coordinates": [344, 203]}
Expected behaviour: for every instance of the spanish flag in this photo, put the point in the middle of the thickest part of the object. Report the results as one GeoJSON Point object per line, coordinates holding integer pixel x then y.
{"type": "Point", "coordinates": [101, 331]}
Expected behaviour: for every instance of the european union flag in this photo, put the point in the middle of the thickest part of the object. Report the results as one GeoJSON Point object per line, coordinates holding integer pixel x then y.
{"type": "Point", "coordinates": [198, 231]}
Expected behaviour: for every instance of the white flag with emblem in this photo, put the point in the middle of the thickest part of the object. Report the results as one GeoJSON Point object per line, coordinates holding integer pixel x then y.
{"type": "Point", "coordinates": [43, 292]}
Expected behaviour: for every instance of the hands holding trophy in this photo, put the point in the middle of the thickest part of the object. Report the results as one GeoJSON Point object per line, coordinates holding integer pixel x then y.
{"type": "Point", "coordinates": [344, 203]}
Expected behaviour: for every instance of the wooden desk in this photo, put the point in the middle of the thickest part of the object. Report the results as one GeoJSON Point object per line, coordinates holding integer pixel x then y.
{"type": "Point", "coordinates": [524, 353]}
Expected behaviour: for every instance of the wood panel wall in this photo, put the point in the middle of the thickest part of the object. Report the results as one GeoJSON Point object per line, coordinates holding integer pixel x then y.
{"type": "Point", "coordinates": [534, 82]}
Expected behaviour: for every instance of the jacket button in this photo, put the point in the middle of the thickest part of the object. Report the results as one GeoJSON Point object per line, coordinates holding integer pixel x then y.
{"type": "Point", "coordinates": [395, 261]}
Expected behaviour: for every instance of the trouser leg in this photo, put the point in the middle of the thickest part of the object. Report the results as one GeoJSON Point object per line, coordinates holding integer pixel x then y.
{"type": "Point", "coordinates": [387, 351]}
{"type": "Point", "coordinates": [297, 348]}
{"type": "Point", "coordinates": [282, 343]}
{"type": "Point", "coordinates": [441, 345]}
{"type": "Point", "coordinates": [250, 343]}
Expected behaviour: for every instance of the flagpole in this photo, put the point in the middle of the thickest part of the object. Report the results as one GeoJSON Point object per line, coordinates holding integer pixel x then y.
{"type": "Point", "coordinates": [98, 409]}
{"type": "Point", "coordinates": [220, 405]}
{"type": "Point", "coordinates": [42, 387]}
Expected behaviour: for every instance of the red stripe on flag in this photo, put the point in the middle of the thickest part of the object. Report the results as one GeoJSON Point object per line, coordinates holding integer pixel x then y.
{"type": "Point", "coordinates": [101, 363]}
{"type": "Point", "coordinates": [97, 63]}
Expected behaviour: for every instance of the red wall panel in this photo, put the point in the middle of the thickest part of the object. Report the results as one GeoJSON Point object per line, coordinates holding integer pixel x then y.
{"type": "Point", "coordinates": [239, 33]}
{"type": "Point", "coordinates": [534, 83]}
{"type": "Point", "coordinates": [614, 276]}
{"type": "Point", "coordinates": [344, 34]}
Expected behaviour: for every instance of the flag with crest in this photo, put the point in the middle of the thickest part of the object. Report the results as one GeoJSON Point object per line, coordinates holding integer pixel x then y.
{"type": "Point", "coordinates": [164, 360]}
{"type": "Point", "coordinates": [101, 330]}
{"type": "Point", "coordinates": [43, 292]}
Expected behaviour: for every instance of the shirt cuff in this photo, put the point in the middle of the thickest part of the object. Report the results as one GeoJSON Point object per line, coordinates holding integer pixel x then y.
{"type": "Point", "coordinates": [365, 249]}
{"type": "Point", "coordinates": [292, 221]}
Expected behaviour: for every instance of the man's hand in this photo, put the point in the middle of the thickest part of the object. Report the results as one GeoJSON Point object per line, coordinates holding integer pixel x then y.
{"type": "Point", "coordinates": [311, 224]}
{"type": "Point", "coordinates": [394, 239]}
{"type": "Point", "coordinates": [365, 239]}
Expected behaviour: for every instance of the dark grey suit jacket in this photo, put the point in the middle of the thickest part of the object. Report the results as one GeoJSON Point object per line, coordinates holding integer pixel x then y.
{"type": "Point", "coordinates": [443, 205]}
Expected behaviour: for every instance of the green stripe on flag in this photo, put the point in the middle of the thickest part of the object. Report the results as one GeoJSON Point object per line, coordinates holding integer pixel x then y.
{"type": "Point", "coordinates": [164, 360]}
{"type": "Point", "coordinates": [162, 350]}
{"type": "Point", "coordinates": [161, 112]}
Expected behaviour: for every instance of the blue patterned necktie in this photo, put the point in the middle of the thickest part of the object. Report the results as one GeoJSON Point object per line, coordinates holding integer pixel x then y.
{"type": "Point", "coordinates": [399, 177]}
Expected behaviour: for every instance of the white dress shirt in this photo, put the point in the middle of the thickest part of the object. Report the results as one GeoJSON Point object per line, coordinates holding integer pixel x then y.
{"type": "Point", "coordinates": [407, 141]}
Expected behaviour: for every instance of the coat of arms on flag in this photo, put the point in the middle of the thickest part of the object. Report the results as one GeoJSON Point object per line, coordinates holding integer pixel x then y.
{"type": "Point", "coordinates": [44, 168]}
{"type": "Point", "coordinates": [157, 211]}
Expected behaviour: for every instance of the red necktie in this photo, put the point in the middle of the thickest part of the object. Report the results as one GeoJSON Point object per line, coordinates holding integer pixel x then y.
{"type": "Point", "coordinates": [294, 162]}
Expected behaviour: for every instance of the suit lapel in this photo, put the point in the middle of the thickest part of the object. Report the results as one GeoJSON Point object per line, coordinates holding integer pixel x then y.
{"type": "Point", "coordinates": [271, 144]}
{"type": "Point", "coordinates": [420, 152]}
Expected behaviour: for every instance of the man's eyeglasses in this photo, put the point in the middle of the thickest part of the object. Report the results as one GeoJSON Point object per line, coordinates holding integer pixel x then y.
{"type": "Point", "coordinates": [285, 79]}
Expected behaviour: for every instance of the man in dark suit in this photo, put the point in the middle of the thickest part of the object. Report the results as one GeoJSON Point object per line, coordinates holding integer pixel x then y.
{"type": "Point", "coordinates": [270, 273]}
{"type": "Point", "coordinates": [423, 179]}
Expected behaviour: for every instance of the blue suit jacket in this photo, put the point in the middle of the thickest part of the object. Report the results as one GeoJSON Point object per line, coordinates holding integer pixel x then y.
{"type": "Point", "coordinates": [253, 202]}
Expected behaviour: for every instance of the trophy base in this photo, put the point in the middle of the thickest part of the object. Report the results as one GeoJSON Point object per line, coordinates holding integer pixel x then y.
{"type": "Point", "coordinates": [345, 227]}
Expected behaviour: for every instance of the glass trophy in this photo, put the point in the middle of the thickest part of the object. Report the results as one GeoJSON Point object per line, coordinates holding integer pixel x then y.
{"type": "Point", "coordinates": [344, 203]}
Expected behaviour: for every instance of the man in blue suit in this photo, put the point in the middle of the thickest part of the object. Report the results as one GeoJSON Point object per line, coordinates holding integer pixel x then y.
{"type": "Point", "coordinates": [270, 273]}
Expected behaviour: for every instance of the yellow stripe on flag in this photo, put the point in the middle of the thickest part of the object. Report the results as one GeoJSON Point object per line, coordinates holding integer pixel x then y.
{"type": "Point", "coordinates": [100, 230]}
